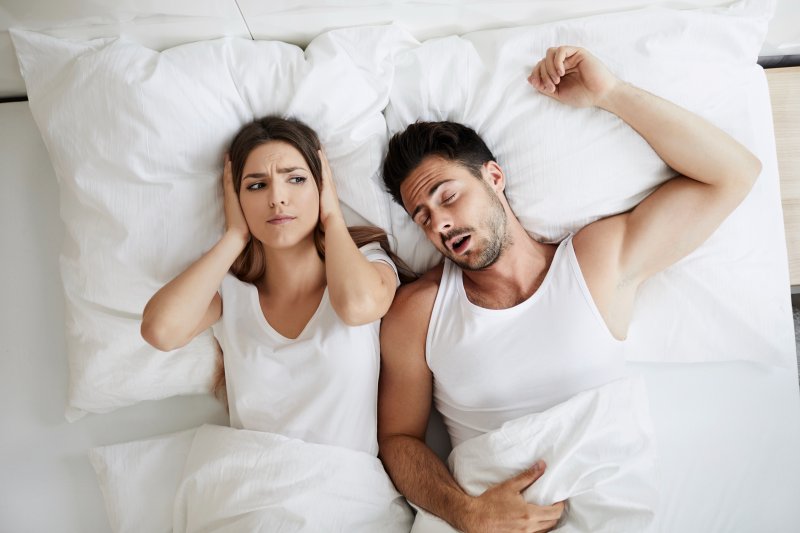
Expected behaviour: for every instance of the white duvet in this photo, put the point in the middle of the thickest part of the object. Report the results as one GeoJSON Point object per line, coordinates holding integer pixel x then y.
{"type": "Point", "coordinates": [600, 454]}
{"type": "Point", "coordinates": [236, 480]}
{"type": "Point", "coordinates": [598, 447]}
{"type": "Point", "coordinates": [726, 438]}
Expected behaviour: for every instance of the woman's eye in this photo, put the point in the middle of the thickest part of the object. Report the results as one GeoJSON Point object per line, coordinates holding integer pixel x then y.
{"type": "Point", "coordinates": [297, 179]}
{"type": "Point", "coordinates": [449, 199]}
{"type": "Point", "coordinates": [255, 186]}
{"type": "Point", "coordinates": [425, 221]}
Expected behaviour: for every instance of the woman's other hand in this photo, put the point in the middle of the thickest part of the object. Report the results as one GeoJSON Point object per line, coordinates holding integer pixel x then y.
{"type": "Point", "coordinates": [235, 222]}
{"type": "Point", "coordinates": [328, 199]}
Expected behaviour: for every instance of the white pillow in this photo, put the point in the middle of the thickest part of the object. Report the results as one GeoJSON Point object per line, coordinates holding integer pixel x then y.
{"type": "Point", "coordinates": [567, 167]}
{"type": "Point", "coordinates": [137, 137]}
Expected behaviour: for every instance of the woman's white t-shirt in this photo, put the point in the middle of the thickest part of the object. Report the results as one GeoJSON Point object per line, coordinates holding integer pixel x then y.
{"type": "Point", "coordinates": [321, 387]}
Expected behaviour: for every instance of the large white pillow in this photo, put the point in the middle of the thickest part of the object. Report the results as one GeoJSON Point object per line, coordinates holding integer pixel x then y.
{"type": "Point", "coordinates": [567, 167]}
{"type": "Point", "coordinates": [137, 137]}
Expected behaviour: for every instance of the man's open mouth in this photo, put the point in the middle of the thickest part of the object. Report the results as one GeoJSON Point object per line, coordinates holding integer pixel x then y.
{"type": "Point", "coordinates": [460, 244]}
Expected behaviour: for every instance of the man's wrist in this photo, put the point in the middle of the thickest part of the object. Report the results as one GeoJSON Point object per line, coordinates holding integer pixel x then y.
{"type": "Point", "coordinates": [464, 512]}
{"type": "Point", "coordinates": [615, 97]}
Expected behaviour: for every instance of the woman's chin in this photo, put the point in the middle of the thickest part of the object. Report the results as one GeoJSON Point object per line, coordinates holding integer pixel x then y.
{"type": "Point", "coordinates": [287, 241]}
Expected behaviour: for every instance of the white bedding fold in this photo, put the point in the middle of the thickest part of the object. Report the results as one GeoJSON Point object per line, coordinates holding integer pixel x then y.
{"type": "Point", "coordinates": [238, 480]}
{"type": "Point", "coordinates": [599, 447]}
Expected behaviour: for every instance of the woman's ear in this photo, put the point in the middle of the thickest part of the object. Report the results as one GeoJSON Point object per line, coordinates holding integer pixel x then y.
{"type": "Point", "coordinates": [494, 175]}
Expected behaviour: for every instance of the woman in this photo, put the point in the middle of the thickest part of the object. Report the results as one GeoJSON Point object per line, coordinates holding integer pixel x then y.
{"type": "Point", "coordinates": [298, 315]}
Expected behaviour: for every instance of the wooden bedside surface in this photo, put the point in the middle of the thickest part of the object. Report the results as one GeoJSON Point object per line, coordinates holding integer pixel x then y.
{"type": "Point", "coordinates": [784, 88]}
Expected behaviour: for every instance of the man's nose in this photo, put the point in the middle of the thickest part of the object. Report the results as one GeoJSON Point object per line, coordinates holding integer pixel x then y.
{"type": "Point", "coordinates": [441, 222]}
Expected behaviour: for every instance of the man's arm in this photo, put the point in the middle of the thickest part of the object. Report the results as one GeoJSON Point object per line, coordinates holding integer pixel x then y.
{"type": "Point", "coordinates": [404, 404]}
{"type": "Point", "coordinates": [716, 172]}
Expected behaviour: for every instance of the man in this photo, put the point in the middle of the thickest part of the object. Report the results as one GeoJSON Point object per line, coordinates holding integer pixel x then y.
{"type": "Point", "coordinates": [509, 326]}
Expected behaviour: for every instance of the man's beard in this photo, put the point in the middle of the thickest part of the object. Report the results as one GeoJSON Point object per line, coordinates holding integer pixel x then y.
{"type": "Point", "coordinates": [492, 246]}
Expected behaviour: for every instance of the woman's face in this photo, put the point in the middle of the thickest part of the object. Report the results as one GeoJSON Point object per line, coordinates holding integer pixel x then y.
{"type": "Point", "coordinates": [279, 196]}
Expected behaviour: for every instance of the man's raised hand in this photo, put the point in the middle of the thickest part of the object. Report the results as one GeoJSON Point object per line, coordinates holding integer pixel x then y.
{"type": "Point", "coordinates": [573, 76]}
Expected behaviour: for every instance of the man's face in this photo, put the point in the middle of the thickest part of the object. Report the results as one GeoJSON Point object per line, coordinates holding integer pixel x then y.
{"type": "Point", "coordinates": [460, 214]}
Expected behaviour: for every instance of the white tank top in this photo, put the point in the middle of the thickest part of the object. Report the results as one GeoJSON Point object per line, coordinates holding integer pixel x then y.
{"type": "Point", "coordinates": [320, 387]}
{"type": "Point", "coordinates": [492, 366]}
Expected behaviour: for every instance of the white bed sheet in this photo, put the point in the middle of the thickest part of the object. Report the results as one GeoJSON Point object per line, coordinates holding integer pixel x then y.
{"type": "Point", "coordinates": [46, 481]}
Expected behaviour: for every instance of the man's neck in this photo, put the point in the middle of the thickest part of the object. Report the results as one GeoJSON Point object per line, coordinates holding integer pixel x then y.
{"type": "Point", "coordinates": [515, 276]}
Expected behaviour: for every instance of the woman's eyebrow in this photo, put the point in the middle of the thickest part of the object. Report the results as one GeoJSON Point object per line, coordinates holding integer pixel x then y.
{"type": "Point", "coordinates": [289, 170]}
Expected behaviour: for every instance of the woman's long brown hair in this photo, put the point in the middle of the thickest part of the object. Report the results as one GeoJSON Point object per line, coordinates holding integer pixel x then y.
{"type": "Point", "coordinates": [251, 264]}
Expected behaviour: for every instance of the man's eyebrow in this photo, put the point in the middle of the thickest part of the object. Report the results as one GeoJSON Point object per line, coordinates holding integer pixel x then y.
{"type": "Point", "coordinates": [431, 192]}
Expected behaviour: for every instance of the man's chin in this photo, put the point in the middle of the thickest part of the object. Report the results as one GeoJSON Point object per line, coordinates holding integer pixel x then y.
{"type": "Point", "coordinates": [471, 262]}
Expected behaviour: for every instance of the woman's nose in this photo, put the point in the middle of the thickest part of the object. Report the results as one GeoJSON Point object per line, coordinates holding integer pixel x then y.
{"type": "Point", "coordinates": [277, 196]}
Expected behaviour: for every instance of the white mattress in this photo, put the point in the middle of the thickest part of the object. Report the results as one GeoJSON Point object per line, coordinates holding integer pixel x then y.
{"type": "Point", "coordinates": [48, 484]}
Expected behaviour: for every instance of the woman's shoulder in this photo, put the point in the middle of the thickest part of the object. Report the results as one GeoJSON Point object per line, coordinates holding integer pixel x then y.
{"type": "Point", "coordinates": [373, 251]}
{"type": "Point", "coordinates": [371, 247]}
{"type": "Point", "coordinates": [232, 287]}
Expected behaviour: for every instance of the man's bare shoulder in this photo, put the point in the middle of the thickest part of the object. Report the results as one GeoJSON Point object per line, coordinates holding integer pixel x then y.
{"type": "Point", "coordinates": [415, 300]}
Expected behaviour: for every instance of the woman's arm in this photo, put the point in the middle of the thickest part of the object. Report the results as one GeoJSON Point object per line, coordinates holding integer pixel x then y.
{"type": "Point", "coordinates": [190, 303]}
{"type": "Point", "coordinates": [361, 291]}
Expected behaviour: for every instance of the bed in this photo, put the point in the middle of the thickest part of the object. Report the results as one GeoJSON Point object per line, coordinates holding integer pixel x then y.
{"type": "Point", "coordinates": [721, 374]}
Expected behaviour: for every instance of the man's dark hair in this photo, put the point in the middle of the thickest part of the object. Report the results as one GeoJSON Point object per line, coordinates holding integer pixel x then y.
{"type": "Point", "coordinates": [449, 140]}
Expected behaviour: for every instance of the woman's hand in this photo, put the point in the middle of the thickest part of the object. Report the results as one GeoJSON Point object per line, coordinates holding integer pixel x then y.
{"type": "Point", "coordinates": [573, 76]}
{"type": "Point", "coordinates": [235, 222]}
{"type": "Point", "coordinates": [328, 200]}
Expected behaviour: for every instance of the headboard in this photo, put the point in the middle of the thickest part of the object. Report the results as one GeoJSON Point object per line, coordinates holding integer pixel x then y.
{"type": "Point", "coordinates": [784, 86]}
{"type": "Point", "coordinates": [171, 22]}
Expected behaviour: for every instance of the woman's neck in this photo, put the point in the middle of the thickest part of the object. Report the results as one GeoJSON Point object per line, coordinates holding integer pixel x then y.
{"type": "Point", "coordinates": [293, 272]}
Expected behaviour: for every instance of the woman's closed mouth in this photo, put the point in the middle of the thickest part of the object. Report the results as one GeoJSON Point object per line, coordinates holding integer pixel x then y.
{"type": "Point", "coordinates": [281, 219]}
